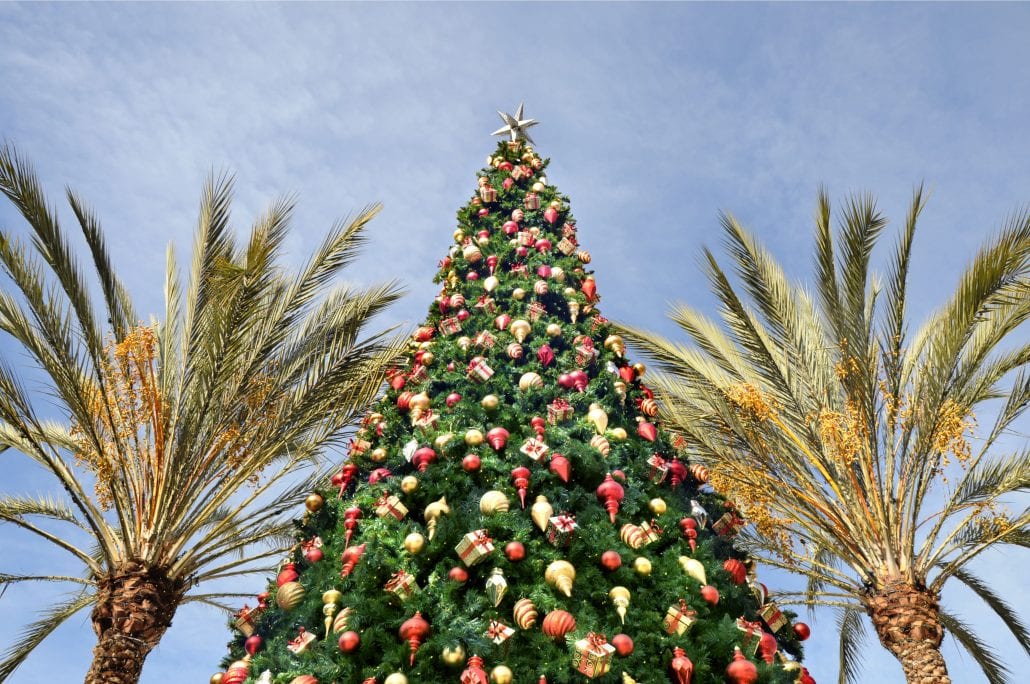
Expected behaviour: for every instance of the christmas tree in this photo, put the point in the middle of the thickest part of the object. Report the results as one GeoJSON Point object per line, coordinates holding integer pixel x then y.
{"type": "Point", "coordinates": [510, 511]}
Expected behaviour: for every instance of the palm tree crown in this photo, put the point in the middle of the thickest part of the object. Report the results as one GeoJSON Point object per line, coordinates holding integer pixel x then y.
{"type": "Point", "coordinates": [177, 438]}
{"type": "Point", "coordinates": [847, 438]}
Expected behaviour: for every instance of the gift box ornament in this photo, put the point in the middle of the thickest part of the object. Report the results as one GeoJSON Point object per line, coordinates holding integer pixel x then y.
{"type": "Point", "coordinates": [560, 530]}
{"type": "Point", "coordinates": [487, 194]}
{"type": "Point", "coordinates": [525, 238]}
{"type": "Point", "coordinates": [486, 340]}
{"type": "Point", "coordinates": [651, 532]}
{"type": "Point", "coordinates": [486, 303]}
{"type": "Point", "coordinates": [388, 505]}
{"type": "Point", "coordinates": [679, 618]}
{"type": "Point", "coordinates": [558, 411]}
{"type": "Point", "coordinates": [585, 352]}
{"type": "Point", "coordinates": [498, 632]}
{"type": "Point", "coordinates": [402, 585]}
{"type": "Point", "coordinates": [770, 612]}
{"type": "Point", "coordinates": [246, 619]}
{"type": "Point", "coordinates": [751, 636]}
{"type": "Point", "coordinates": [568, 230]}
{"type": "Point", "coordinates": [479, 370]}
{"type": "Point", "coordinates": [417, 374]}
{"type": "Point", "coordinates": [729, 524]}
{"type": "Point", "coordinates": [567, 246]}
{"type": "Point", "coordinates": [301, 642]}
{"type": "Point", "coordinates": [474, 547]}
{"type": "Point", "coordinates": [521, 171]}
{"type": "Point", "coordinates": [535, 448]}
{"type": "Point", "coordinates": [532, 201]}
{"type": "Point", "coordinates": [450, 325]}
{"type": "Point", "coordinates": [536, 310]}
{"type": "Point", "coordinates": [359, 446]}
{"type": "Point", "coordinates": [659, 468]}
{"type": "Point", "coordinates": [592, 655]}
{"type": "Point", "coordinates": [424, 419]}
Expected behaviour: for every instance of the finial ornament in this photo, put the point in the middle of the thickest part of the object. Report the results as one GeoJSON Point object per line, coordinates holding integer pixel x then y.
{"type": "Point", "coordinates": [516, 125]}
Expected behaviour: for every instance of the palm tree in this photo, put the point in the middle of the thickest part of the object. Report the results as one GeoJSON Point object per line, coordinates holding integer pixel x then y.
{"type": "Point", "coordinates": [846, 438]}
{"type": "Point", "coordinates": [178, 442]}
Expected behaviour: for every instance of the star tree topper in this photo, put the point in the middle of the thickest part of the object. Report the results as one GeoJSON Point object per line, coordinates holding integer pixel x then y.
{"type": "Point", "coordinates": [516, 125]}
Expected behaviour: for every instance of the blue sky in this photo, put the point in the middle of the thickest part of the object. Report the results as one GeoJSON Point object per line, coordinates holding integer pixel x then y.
{"type": "Point", "coordinates": [656, 117]}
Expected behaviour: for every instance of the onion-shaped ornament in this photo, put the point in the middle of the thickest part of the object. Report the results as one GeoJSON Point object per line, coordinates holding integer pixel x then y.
{"type": "Point", "coordinates": [525, 613]}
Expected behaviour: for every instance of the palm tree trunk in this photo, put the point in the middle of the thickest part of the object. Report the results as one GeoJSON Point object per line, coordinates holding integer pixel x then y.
{"type": "Point", "coordinates": [134, 608]}
{"type": "Point", "coordinates": [906, 619]}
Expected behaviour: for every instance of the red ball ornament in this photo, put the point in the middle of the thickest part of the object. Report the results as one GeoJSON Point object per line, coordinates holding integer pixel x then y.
{"type": "Point", "coordinates": [806, 678]}
{"type": "Point", "coordinates": [741, 670]}
{"type": "Point", "coordinates": [710, 594]}
{"type": "Point", "coordinates": [253, 644]}
{"type": "Point", "coordinates": [397, 382]}
{"type": "Point", "coordinates": [459, 575]}
{"type": "Point", "coordinates": [287, 574]}
{"type": "Point", "coordinates": [619, 475]}
{"type": "Point", "coordinates": [802, 631]}
{"type": "Point", "coordinates": [452, 399]}
{"type": "Point", "coordinates": [558, 623]}
{"type": "Point", "coordinates": [611, 560]}
{"type": "Point", "coordinates": [471, 463]}
{"type": "Point", "coordinates": [623, 644]}
{"type": "Point", "coordinates": [471, 275]}
{"type": "Point", "coordinates": [313, 554]}
{"type": "Point", "coordinates": [522, 251]}
{"type": "Point", "coordinates": [463, 315]}
{"type": "Point", "coordinates": [515, 551]}
{"type": "Point", "coordinates": [349, 641]}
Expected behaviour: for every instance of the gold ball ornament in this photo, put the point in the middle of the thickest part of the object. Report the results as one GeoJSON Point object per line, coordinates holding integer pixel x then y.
{"type": "Point", "coordinates": [453, 656]}
{"type": "Point", "coordinates": [420, 401]}
{"type": "Point", "coordinates": [289, 595]}
{"type": "Point", "coordinates": [428, 358]}
{"type": "Point", "coordinates": [639, 369]}
{"type": "Point", "coordinates": [414, 543]}
{"type": "Point", "coordinates": [518, 293]}
{"type": "Point", "coordinates": [642, 566]}
{"type": "Point", "coordinates": [619, 434]}
{"type": "Point", "coordinates": [409, 484]}
{"type": "Point", "coordinates": [538, 187]}
{"type": "Point", "coordinates": [441, 440]}
{"type": "Point", "coordinates": [459, 235]}
{"type": "Point", "coordinates": [490, 402]}
{"type": "Point", "coordinates": [502, 674]}
{"type": "Point", "coordinates": [569, 292]}
{"type": "Point", "coordinates": [314, 502]}
{"type": "Point", "coordinates": [553, 329]}
{"type": "Point", "coordinates": [396, 678]}
{"type": "Point", "coordinates": [657, 506]}
{"type": "Point", "coordinates": [378, 455]}
{"type": "Point", "coordinates": [473, 437]}
{"type": "Point", "coordinates": [216, 678]}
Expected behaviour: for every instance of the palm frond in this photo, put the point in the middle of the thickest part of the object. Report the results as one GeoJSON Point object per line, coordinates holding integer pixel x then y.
{"type": "Point", "coordinates": [990, 663]}
{"type": "Point", "coordinates": [1002, 609]}
{"type": "Point", "coordinates": [36, 632]}
{"type": "Point", "coordinates": [851, 626]}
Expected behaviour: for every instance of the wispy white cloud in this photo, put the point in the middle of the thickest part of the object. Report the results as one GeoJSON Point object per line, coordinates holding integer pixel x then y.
{"type": "Point", "coordinates": [656, 116]}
